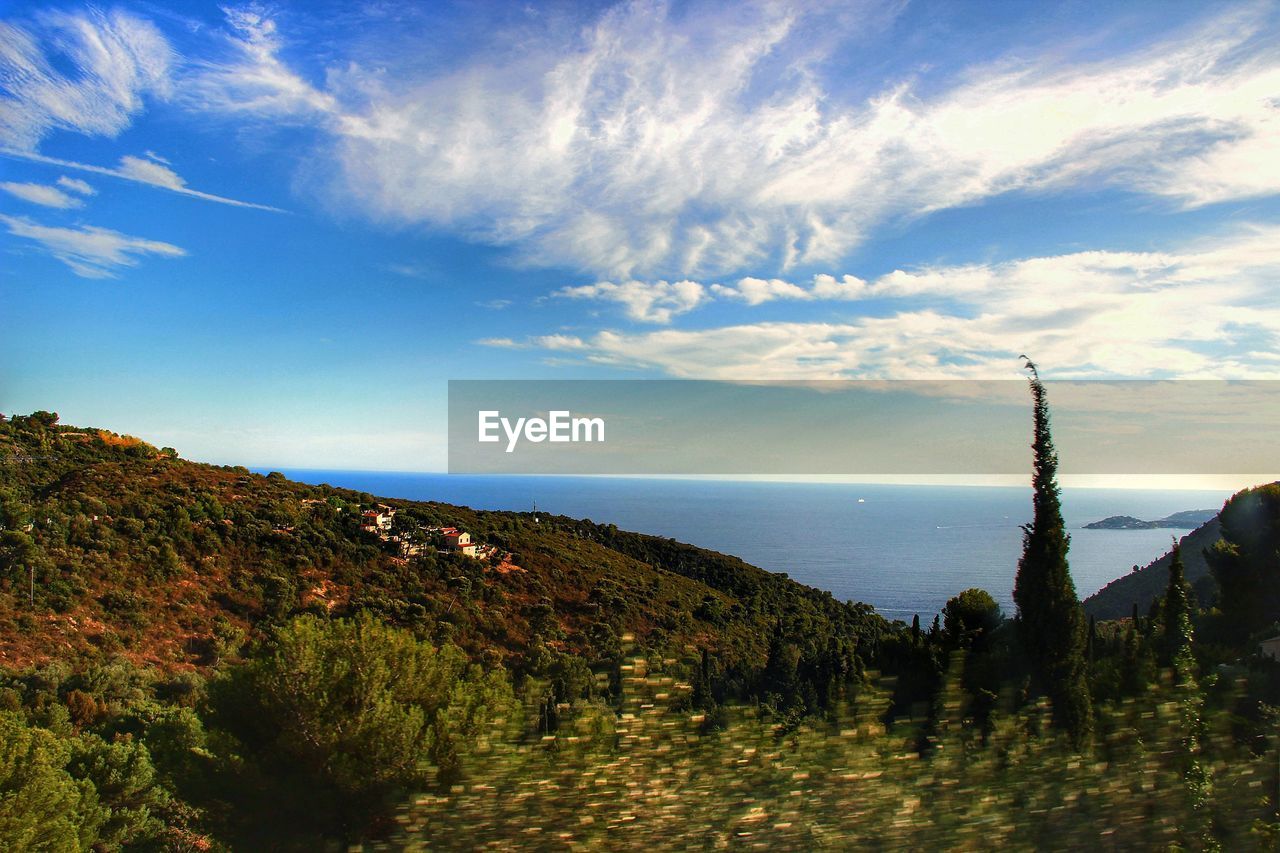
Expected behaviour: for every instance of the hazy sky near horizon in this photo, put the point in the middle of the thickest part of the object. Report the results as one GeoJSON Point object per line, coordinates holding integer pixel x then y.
{"type": "Point", "coordinates": [270, 233]}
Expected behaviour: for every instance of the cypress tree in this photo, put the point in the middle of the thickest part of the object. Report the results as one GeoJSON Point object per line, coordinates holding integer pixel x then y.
{"type": "Point", "coordinates": [1175, 653]}
{"type": "Point", "coordinates": [1132, 672]}
{"type": "Point", "coordinates": [1091, 649]}
{"type": "Point", "coordinates": [1051, 626]}
{"type": "Point", "coordinates": [1175, 646]}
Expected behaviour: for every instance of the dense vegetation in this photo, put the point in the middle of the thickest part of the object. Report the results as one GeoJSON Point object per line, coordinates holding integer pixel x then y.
{"type": "Point", "coordinates": [199, 658]}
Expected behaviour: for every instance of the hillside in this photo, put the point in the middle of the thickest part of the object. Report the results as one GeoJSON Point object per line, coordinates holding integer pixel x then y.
{"type": "Point", "coordinates": [112, 546]}
{"type": "Point", "coordinates": [1117, 599]}
{"type": "Point", "coordinates": [195, 657]}
{"type": "Point", "coordinates": [1186, 520]}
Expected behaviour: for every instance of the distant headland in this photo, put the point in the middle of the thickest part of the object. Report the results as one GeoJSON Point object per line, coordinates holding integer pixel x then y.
{"type": "Point", "coordinates": [1186, 520]}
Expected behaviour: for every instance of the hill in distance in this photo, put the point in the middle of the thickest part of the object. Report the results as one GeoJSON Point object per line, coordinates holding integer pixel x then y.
{"type": "Point", "coordinates": [1186, 520]}
{"type": "Point", "coordinates": [1117, 599]}
{"type": "Point", "coordinates": [112, 546]}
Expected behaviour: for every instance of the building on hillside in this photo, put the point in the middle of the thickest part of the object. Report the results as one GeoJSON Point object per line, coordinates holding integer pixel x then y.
{"type": "Point", "coordinates": [377, 520]}
{"type": "Point", "coordinates": [460, 542]}
{"type": "Point", "coordinates": [1270, 648]}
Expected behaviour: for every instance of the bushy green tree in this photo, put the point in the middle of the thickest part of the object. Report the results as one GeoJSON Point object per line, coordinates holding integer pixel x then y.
{"type": "Point", "coordinates": [358, 710]}
{"type": "Point", "coordinates": [125, 780]}
{"type": "Point", "coordinates": [41, 806]}
{"type": "Point", "coordinates": [1051, 626]}
{"type": "Point", "coordinates": [969, 617]}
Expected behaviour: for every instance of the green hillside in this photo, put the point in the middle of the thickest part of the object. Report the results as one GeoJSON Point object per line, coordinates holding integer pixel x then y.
{"type": "Point", "coordinates": [1140, 588]}
{"type": "Point", "coordinates": [197, 658]}
{"type": "Point", "coordinates": [114, 546]}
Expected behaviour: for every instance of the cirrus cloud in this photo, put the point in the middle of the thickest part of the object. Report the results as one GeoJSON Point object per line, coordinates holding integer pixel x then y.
{"type": "Point", "coordinates": [619, 150]}
{"type": "Point", "coordinates": [653, 141]}
{"type": "Point", "coordinates": [89, 251]}
{"type": "Point", "coordinates": [76, 185]}
{"type": "Point", "coordinates": [41, 194]}
{"type": "Point", "coordinates": [115, 60]}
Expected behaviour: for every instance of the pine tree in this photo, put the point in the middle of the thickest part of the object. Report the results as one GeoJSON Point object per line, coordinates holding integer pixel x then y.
{"type": "Point", "coordinates": [1051, 626]}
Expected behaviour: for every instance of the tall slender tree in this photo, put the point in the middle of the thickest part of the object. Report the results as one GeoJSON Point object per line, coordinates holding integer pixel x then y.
{"type": "Point", "coordinates": [1175, 612]}
{"type": "Point", "coordinates": [1051, 625]}
{"type": "Point", "coordinates": [1176, 637]}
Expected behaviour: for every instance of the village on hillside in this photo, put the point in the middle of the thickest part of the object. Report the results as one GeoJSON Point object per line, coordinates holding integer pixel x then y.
{"type": "Point", "coordinates": [444, 540]}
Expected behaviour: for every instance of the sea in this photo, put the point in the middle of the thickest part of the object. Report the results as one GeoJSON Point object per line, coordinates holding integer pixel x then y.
{"type": "Point", "coordinates": [904, 550]}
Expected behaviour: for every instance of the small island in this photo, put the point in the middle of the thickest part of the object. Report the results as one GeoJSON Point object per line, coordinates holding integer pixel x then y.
{"type": "Point", "coordinates": [1186, 520]}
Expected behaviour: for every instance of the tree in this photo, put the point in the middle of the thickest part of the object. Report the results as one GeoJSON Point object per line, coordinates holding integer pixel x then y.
{"type": "Point", "coordinates": [125, 781]}
{"type": "Point", "coordinates": [1246, 563]}
{"type": "Point", "coordinates": [1175, 653]}
{"type": "Point", "coordinates": [357, 711]}
{"type": "Point", "coordinates": [1051, 627]}
{"type": "Point", "coordinates": [41, 806]}
{"type": "Point", "coordinates": [971, 620]}
{"type": "Point", "coordinates": [1175, 610]}
{"type": "Point", "coordinates": [969, 617]}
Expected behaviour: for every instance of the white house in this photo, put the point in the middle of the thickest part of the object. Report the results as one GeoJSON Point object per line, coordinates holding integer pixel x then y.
{"type": "Point", "coordinates": [460, 541]}
{"type": "Point", "coordinates": [378, 519]}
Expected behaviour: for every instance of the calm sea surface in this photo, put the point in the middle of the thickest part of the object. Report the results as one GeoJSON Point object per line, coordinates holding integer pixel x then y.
{"type": "Point", "coordinates": [902, 549]}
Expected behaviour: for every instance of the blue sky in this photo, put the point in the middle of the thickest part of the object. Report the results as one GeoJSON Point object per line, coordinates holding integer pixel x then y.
{"type": "Point", "coordinates": [269, 234]}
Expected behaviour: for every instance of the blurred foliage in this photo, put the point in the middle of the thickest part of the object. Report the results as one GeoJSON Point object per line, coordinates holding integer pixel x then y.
{"type": "Point", "coordinates": [652, 777]}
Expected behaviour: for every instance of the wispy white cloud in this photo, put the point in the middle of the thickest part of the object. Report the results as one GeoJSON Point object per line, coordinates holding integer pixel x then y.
{"type": "Point", "coordinates": [653, 142]}
{"type": "Point", "coordinates": [1207, 310]}
{"type": "Point", "coordinates": [755, 291]}
{"type": "Point", "coordinates": [142, 171]}
{"type": "Point", "coordinates": [639, 297]}
{"type": "Point", "coordinates": [41, 194]}
{"type": "Point", "coordinates": [76, 185]}
{"type": "Point", "coordinates": [147, 171]}
{"type": "Point", "coordinates": [621, 150]}
{"type": "Point", "coordinates": [651, 302]}
{"type": "Point", "coordinates": [116, 59]}
{"type": "Point", "coordinates": [559, 342]}
{"type": "Point", "coordinates": [251, 78]}
{"type": "Point", "coordinates": [89, 251]}
{"type": "Point", "coordinates": [419, 271]}
{"type": "Point", "coordinates": [90, 73]}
